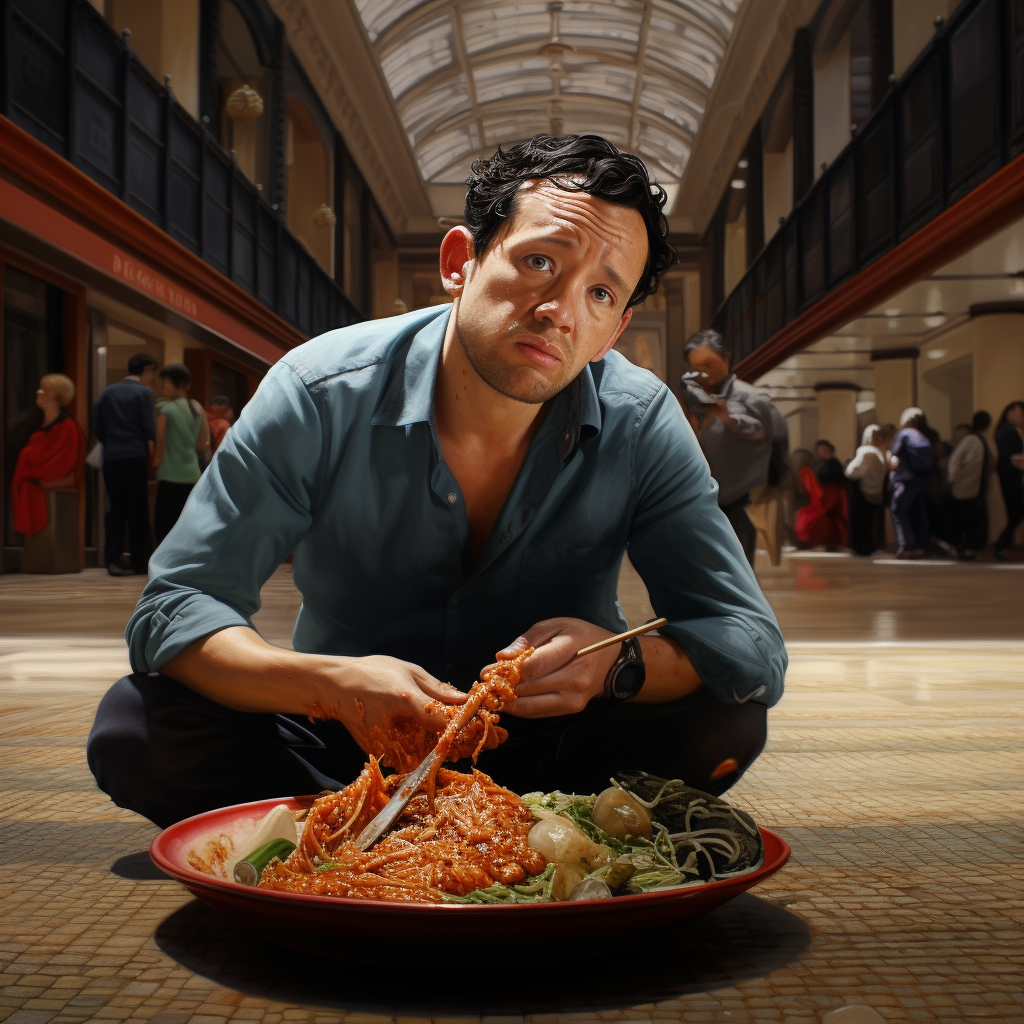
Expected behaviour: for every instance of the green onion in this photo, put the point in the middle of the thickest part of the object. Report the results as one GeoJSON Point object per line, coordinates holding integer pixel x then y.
{"type": "Point", "coordinates": [249, 869]}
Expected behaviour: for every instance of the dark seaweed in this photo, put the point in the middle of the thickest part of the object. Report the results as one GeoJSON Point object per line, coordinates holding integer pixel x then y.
{"type": "Point", "coordinates": [721, 838]}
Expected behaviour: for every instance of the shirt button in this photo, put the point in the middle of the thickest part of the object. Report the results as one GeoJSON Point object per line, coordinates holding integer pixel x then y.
{"type": "Point", "coordinates": [452, 498]}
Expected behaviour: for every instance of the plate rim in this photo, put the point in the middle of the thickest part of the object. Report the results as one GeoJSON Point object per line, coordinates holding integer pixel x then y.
{"type": "Point", "coordinates": [193, 879]}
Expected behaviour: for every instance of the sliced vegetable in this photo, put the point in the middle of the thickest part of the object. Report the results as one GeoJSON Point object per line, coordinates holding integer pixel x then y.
{"type": "Point", "coordinates": [249, 869]}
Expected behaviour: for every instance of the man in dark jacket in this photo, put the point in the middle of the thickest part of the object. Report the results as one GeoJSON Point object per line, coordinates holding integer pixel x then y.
{"type": "Point", "coordinates": [126, 427]}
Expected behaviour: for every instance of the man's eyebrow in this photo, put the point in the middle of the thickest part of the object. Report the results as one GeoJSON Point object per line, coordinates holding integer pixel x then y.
{"type": "Point", "coordinates": [565, 242]}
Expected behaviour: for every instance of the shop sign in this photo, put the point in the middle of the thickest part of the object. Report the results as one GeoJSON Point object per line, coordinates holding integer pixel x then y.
{"type": "Point", "coordinates": [143, 278]}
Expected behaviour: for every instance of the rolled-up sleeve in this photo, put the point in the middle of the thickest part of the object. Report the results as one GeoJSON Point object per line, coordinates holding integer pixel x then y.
{"type": "Point", "coordinates": [243, 518]}
{"type": "Point", "coordinates": [687, 554]}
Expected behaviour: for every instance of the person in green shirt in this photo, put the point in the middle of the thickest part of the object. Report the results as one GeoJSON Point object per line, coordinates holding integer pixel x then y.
{"type": "Point", "coordinates": [182, 433]}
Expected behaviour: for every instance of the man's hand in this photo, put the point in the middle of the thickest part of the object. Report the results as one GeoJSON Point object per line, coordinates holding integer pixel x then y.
{"type": "Point", "coordinates": [379, 698]}
{"type": "Point", "coordinates": [549, 685]}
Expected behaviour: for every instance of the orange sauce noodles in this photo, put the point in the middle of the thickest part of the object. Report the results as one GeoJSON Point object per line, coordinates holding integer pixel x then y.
{"type": "Point", "coordinates": [463, 832]}
{"type": "Point", "coordinates": [475, 836]}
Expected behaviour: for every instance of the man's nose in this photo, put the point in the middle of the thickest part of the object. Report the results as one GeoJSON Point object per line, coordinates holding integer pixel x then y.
{"type": "Point", "coordinates": [558, 311]}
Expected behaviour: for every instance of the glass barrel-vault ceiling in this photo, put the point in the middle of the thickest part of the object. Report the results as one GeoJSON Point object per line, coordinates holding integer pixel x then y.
{"type": "Point", "coordinates": [469, 75]}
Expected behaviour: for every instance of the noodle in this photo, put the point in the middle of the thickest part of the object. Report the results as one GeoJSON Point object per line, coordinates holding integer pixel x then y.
{"type": "Point", "coordinates": [475, 836]}
{"type": "Point", "coordinates": [466, 834]}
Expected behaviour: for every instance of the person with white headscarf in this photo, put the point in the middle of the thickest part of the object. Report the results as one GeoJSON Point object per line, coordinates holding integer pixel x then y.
{"type": "Point", "coordinates": [866, 472]}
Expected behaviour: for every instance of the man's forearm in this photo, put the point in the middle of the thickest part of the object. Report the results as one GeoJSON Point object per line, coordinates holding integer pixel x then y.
{"type": "Point", "coordinates": [236, 667]}
{"type": "Point", "coordinates": [670, 673]}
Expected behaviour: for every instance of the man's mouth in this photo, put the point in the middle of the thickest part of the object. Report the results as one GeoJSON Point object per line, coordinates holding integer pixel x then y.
{"type": "Point", "coordinates": [539, 351]}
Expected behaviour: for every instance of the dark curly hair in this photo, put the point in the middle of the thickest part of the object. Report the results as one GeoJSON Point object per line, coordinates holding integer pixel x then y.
{"type": "Point", "coordinates": [575, 163]}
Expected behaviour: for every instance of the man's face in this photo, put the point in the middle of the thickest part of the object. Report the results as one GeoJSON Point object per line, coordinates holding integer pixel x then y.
{"type": "Point", "coordinates": [550, 292]}
{"type": "Point", "coordinates": [148, 376]}
{"type": "Point", "coordinates": [707, 361]}
{"type": "Point", "coordinates": [824, 451]}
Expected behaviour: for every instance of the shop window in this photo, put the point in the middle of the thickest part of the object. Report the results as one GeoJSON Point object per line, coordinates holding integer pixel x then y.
{"type": "Point", "coordinates": [33, 345]}
{"type": "Point", "coordinates": [310, 185]}
{"type": "Point", "coordinates": [238, 65]}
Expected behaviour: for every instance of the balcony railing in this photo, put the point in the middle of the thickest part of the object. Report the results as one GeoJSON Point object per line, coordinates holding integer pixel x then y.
{"type": "Point", "coordinates": [954, 118]}
{"type": "Point", "coordinates": [69, 80]}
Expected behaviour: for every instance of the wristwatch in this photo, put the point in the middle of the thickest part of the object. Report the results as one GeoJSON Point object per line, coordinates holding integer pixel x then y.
{"type": "Point", "coordinates": [626, 677]}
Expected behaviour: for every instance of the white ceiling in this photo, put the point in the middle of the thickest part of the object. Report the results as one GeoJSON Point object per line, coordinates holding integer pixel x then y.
{"type": "Point", "coordinates": [991, 272]}
{"type": "Point", "coordinates": [470, 75]}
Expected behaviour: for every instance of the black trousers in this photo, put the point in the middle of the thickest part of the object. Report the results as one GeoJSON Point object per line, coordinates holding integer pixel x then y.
{"type": "Point", "coordinates": [967, 520]}
{"type": "Point", "coordinates": [736, 513]}
{"type": "Point", "coordinates": [163, 750]}
{"type": "Point", "coordinates": [1013, 498]}
{"type": "Point", "coordinates": [125, 480]}
{"type": "Point", "coordinates": [170, 500]}
{"type": "Point", "coordinates": [867, 522]}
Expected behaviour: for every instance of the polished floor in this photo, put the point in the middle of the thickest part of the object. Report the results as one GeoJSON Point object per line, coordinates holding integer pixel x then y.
{"type": "Point", "coordinates": [895, 769]}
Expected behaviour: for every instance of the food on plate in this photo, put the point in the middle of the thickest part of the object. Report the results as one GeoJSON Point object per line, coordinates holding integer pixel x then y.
{"type": "Point", "coordinates": [465, 839]}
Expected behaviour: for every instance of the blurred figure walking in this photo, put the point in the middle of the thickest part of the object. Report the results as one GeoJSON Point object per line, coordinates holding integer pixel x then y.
{"type": "Point", "coordinates": [125, 426]}
{"type": "Point", "coordinates": [1010, 445]}
{"type": "Point", "coordinates": [734, 424]}
{"type": "Point", "coordinates": [913, 459]}
{"type": "Point", "coordinates": [182, 432]}
{"type": "Point", "coordinates": [220, 416]}
{"type": "Point", "coordinates": [867, 472]}
{"type": "Point", "coordinates": [968, 471]}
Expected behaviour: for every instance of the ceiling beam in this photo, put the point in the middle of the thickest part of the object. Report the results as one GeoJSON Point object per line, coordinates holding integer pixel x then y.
{"type": "Point", "coordinates": [638, 84]}
{"type": "Point", "coordinates": [459, 35]}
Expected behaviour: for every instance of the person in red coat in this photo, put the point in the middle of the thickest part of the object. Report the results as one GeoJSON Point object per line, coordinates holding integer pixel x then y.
{"type": "Point", "coordinates": [51, 460]}
{"type": "Point", "coordinates": [822, 522]}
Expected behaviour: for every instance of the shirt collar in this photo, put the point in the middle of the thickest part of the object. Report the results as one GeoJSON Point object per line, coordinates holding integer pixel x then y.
{"type": "Point", "coordinates": [409, 396]}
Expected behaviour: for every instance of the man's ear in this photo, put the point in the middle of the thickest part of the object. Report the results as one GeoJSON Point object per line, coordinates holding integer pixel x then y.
{"type": "Point", "coordinates": [456, 252]}
{"type": "Point", "coordinates": [623, 324]}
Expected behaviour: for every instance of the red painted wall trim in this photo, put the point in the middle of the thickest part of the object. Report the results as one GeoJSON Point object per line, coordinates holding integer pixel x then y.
{"type": "Point", "coordinates": [992, 205]}
{"type": "Point", "coordinates": [80, 217]}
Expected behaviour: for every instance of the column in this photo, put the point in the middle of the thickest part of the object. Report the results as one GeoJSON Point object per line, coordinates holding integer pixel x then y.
{"type": "Point", "coordinates": [837, 417]}
{"type": "Point", "coordinates": [895, 383]}
{"type": "Point", "coordinates": [998, 380]}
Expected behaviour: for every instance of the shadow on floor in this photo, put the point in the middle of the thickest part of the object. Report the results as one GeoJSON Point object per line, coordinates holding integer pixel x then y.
{"type": "Point", "coordinates": [748, 937]}
{"type": "Point", "coordinates": [138, 867]}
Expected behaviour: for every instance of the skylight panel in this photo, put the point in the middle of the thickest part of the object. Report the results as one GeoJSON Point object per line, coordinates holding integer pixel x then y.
{"type": "Point", "coordinates": [378, 15]}
{"type": "Point", "coordinates": [423, 53]}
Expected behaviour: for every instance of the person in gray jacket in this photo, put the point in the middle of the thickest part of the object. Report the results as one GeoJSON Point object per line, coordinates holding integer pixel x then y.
{"type": "Point", "coordinates": [734, 422]}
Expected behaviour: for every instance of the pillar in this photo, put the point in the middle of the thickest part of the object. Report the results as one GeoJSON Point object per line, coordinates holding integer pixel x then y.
{"type": "Point", "coordinates": [895, 374]}
{"type": "Point", "coordinates": [837, 417]}
{"type": "Point", "coordinates": [675, 330]}
{"type": "Point", "coordinates": [998, 380]}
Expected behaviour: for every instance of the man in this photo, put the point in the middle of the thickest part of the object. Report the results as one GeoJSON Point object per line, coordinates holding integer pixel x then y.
{"type": "Point", "coordinates": [126, 427]}
{"type": "Point", "coordinates": [735, 425]}
{"type": "Point", "coordinates": [453, 482]}
{"type": "Point", "coordinates": [968, 470]}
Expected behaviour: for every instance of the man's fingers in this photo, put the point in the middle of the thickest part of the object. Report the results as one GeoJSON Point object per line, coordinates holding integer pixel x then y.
{"type": "Point", "coordinates": [566, 679]}
{"type": "Point", "coordinates": [545, 705]}
{"type": "Point", "coordinates": [444, 692]}
{"type": "Point", "coordinates": [536, 636]}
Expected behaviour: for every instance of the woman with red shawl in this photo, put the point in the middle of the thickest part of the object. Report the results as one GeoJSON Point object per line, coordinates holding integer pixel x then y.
{"type": "Point", "coordinates": [51, 460]}
{"type": "Point", "coordinates": [822, 522]}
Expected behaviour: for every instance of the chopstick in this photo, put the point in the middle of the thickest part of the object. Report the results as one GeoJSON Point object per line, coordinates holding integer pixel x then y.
{"type": "Point", "coordinates": [628, 635]}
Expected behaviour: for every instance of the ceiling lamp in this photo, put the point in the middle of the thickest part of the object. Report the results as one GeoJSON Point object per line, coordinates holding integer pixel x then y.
{"type": "Point", "coordinates": [738, 183]}
{"type": "Point", "coordinates": [245, 104]}
{"type": "Point", "coordinates": [324, 216]}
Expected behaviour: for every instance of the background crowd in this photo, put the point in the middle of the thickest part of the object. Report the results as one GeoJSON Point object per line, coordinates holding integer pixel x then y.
{"type": "Point", "coordinates": [146, 427]}
{"type": "Point", "coordinates": [936, 491]}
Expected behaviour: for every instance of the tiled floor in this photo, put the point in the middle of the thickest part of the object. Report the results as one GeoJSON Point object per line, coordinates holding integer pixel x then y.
{"type": "Point", "coordinates": [894, 769]}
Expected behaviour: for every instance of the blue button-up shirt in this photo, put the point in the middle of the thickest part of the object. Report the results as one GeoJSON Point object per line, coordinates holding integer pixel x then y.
{"type": "Point", "coordinates": [337, 460]}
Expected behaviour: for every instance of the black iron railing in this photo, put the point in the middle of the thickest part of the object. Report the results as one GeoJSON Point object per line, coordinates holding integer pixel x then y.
{"type": "Point", "coordinates": [953, 119]}
{"type": "Point", "coordinates": [69, 80]}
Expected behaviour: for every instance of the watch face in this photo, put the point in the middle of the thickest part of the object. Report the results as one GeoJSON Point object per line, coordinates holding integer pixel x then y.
{"type": "Point", "coordinates": [628, 680]}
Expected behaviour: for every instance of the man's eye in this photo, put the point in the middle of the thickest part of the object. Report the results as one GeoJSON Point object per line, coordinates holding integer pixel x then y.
{"type": "Point", "coordinates": [601, 295]}
{"type": "Point", "coordinates": [538, 262]}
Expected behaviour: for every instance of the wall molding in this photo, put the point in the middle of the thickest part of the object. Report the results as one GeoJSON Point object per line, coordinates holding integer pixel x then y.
{"type": "Point", "coordinates": [73, 198]}
{"type": "Point", "coordinates": [982, 212]}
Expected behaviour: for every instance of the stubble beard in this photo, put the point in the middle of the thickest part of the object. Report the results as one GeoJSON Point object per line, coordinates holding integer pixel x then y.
{"type": "Point", "coordinates": [515, 382]}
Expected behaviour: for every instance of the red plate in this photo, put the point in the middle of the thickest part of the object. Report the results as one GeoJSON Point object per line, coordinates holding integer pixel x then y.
{"type": "Point", "coordinates": [354, 927]}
